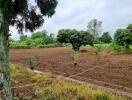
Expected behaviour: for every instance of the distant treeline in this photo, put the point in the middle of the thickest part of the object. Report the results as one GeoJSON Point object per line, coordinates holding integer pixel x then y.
{"type": "Point", "coordinates": [36, 40]}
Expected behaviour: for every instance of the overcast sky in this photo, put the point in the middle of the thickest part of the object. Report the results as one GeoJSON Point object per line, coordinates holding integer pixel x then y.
{"type": "Point", "coordinates": [77, 13]}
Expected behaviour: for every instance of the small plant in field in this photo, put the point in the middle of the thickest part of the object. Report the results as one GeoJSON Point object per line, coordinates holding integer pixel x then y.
{"type": "Point", "coordinates": [102, 97]}
{"type": "Point", "coordinates": [98, 49]}
{"type": "Point", "coordinates": [30, 62]}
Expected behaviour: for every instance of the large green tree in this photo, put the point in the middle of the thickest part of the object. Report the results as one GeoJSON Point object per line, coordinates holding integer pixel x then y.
{"type": "Point", "coordinates": [76, 39]}
{"type": "Point", "coordinates": [106, 38]}
{"type": "Point", "coordinates": [123, 37]}
{"type": "Point", "coordinates": [23, 15]}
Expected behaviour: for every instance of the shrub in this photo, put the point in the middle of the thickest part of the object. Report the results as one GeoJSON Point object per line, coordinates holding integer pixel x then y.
{"type": "Point", "coordinates": [30, 61]}
{"type": "Point", "coordinates": [19, 45]}
{"type": "Point", "coordinates": [50, 45]}
{"type": "Point", "coordinates": [123, 38]}
{"type": "Point", "coordinates": [106, 38]}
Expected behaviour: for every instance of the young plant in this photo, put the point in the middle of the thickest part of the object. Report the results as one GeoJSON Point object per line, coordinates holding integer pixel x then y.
{"type": "Point", "coordinates": [98, 49]}
{"type": "Point", "coordinates": [30, 62]}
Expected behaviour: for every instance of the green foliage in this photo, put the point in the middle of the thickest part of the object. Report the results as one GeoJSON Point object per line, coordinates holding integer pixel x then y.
{"type": "Point", "coordinates": [116, 47]}
{"type": "Point", "coordinates": [29, 18]}
{"type": "Point", "coordinates": [76, 38]}
{"type": "Point", "coordinates": [98, 48]}
{"type": "Point", "coordinates": [42, 38]}
{"type": "Point", "coordinates": [19, 45]}
{"type": "Point", "coordinates": [123, 37]}
{"type": "Point", "coordinates": [106, 38]}
{"type": "Point", "coordinates": [50, 45]}
{"type": "Point", "coordinates": [30, 62]}
{"type": "Point", "coordinates": [37, 40]}
{"type": "Point", "coordinates": [64, 35]}
{"type": "Point", "coordinates": [48, 95]}
{"type": "Point", "coordinates": [102, 97]}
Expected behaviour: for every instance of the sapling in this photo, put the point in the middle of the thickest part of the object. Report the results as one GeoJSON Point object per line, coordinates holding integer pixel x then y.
{"type": "Point", "coordinates": [30, 62]}
{"type": "Point", "coordinates": [98, 49]}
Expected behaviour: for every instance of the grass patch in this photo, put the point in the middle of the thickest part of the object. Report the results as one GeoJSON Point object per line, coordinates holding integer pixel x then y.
{"type": "Point", "coordinates": [48, 87]}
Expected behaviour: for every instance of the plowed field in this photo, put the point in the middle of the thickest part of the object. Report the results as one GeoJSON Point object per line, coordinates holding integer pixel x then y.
{"type": "Point", "coordinates": [114, 71]}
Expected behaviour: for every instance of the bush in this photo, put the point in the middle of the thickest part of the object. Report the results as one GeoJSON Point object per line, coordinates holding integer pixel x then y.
{"type": "Point", "coordinates": [50, 45]}
{"type": "Point", "coordinates": [19, 45]}
{"type": "Point", "coordinates": [115, 46]}
{"type": "Point", "coordinates": [106, 38]}
{"type": "Point", "coordinates": [37, 40]}
{"type": "Point", "coordinates": [123, 38]}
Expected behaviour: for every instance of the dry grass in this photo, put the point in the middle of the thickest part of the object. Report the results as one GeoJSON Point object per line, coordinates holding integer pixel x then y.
{"type": "Point", "coordinates": [49, 87]}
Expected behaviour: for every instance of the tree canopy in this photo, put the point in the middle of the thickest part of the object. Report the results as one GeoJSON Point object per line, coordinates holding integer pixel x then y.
{"type": "Point", "coordinates": [106, 38]}
{"type": "Point", "coordinates": [23, 14]}
{"type": "Point", "coordinates": [123, 37]}
{"type": "Point", "coordinates": [76, 38]}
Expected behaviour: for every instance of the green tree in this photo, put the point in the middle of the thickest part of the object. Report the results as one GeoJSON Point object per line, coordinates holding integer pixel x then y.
{"type": "Point", "coordinates": [21, 14]}
{"type": "Point", "coordinates": [106, 38]}
{"type": "Point", "coordinates": [95, 27]}
{"type": "Point", "coordinates": [42, 38]}
{"type": "Point", "coordinates": [64, 35]}
{"type": "Point", "coordinates": [123, 37]}
{"type": "Point", "coordinates": [76, 38]}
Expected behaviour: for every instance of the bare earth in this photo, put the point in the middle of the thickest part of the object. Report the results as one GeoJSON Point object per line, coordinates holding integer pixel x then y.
{"type": "Point", "coordinates": [114, 71]}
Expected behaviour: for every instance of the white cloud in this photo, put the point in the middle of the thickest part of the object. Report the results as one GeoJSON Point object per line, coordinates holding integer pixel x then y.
{"type": "Point", "coordinates": [76, 13]}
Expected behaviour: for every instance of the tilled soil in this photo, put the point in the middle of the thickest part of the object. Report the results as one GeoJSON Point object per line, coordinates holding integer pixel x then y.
{"type": "Point", "coordinates": [114, 71]}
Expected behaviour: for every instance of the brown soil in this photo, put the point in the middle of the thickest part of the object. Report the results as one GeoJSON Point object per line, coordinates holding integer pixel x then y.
{"type": "Point", "coordinates": [114, 71]}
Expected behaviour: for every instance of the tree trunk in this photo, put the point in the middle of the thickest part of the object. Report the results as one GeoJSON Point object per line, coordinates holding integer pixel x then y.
{"type": "Point", "coordinates": [74, 57]}
{"type": "Point", "coordinates": [4, 60]}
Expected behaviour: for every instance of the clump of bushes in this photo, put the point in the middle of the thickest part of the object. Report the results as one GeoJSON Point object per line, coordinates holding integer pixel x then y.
{"type": "Point", "coordinates": [123, 37]}
{"type": "Point", "coordinates": [19, 45]}
{"type": "Point", "coordinates": [37, 40]}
